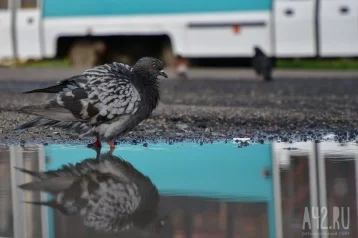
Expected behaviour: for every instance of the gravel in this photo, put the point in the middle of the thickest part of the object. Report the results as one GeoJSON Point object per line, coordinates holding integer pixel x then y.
{"type": "Point", "coordinates": [201, 110]}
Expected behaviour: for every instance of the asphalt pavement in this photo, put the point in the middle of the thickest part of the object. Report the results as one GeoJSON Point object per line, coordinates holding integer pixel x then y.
{"type": "Point", "coordinates": [213, 104]}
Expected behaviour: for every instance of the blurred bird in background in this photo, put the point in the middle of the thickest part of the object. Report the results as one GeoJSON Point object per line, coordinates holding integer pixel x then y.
{"type": "Point", "coordinates": [109, 193]}
{"type": "Point", "coordinates": [181, 66]}
{"type": "Point", "coordinates": [262, 65]}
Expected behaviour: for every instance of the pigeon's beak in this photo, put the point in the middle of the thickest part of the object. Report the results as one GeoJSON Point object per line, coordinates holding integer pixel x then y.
{"type": "Point", "coordinates": [163, 74]}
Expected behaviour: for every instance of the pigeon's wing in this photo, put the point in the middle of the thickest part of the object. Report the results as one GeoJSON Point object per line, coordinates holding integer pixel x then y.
{"type": "Point", "coordinates": [266, 68]}
{"type": "Point", "coordinates": [118, 196]}
{"type": "Point", "coordinates": [98, 95]}
{"type": "Point", "coordinates": [111, 93]}
{"type": "Point", "coordinates": [259, 62]}
{"type": "Point", "coordinates": [63, 85]}
{"type": "Point", "coordinates": [110, 202]}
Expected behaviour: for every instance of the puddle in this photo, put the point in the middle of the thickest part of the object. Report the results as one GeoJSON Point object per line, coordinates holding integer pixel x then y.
{"type": "Point", "coordinates": [212, 190]}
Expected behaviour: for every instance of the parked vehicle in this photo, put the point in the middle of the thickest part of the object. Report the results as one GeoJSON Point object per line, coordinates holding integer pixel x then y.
{"type": "Point", "coordinates": [87, 30]}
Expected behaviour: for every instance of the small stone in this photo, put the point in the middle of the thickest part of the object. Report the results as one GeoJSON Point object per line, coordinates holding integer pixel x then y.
{"type": "Point", "coordinates": [145, 144]}
{"type": "Point", "coordinates": [207, 132]}
{"type": "Point", "coordinates": [182, 126]}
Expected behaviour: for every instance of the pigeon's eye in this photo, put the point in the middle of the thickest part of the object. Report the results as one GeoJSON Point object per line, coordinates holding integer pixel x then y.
{"type": "Point", "coordinates": [154, 66]}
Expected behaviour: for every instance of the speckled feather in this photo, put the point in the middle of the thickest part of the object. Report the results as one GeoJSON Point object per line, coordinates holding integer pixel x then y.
{"type": "Point", "coordinates": [108, 93]}
{"type": "Point", "coordinates": [109, 193]}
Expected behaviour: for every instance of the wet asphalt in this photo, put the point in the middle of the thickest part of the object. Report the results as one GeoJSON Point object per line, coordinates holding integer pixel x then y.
{"type": "Point", "coordinates": [291, 108]}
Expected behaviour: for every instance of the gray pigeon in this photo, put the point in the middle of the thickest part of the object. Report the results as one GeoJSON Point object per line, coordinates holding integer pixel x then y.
{"type": "Point", "coordinates": [109, 193]}
{"type": "Point", "coordinates": [262, 64]}
{"type": "Point", "coordinates": [106, 101]}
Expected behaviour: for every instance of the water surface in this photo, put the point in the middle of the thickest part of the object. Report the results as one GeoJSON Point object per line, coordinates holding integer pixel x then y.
{"type": "Point", "coordinates": [210, 190]}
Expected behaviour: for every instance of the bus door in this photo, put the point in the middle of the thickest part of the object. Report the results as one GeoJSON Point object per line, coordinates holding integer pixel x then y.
{"type": "Point", "coordinates": [338, 28]}
{"type": "Point", "coordinates": [6, 44]}
{"type": "Point", "coordinates": [28, 29]}
{"type": "Point", "coordinates": [295, 31]}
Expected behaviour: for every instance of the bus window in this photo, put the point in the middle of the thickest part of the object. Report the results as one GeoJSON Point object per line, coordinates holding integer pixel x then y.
{"type": "Point", "coordinates": [4, 4]}
{"type": "Point", "coordinates": [28, 3]}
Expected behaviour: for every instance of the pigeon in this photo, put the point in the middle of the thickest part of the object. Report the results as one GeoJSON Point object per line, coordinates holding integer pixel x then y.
{"type": "Point", "coordinates": [181, 66]}
{"type": "Point", "coordinates": [106, 101]}
{"type": "Point", "coordinates": [262, 64]}
{"type": "Point", "coordinates": [109, 193]}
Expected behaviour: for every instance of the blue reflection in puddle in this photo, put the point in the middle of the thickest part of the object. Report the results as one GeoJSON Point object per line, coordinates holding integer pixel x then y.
{"type": "Point", "coordinates": [210, 189]}
{"type": "Point", "coordinates": [187, 171]}
{"type": "Point", "coordinates": [218, 170]}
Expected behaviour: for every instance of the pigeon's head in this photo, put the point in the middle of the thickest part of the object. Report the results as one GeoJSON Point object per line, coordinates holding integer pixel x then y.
{"type": "Point", "coordinates": [150, 68]}
{"type": "Point", "coordinates": [158, 224]}
{"type": "Point", "coordinates": [257, 50]}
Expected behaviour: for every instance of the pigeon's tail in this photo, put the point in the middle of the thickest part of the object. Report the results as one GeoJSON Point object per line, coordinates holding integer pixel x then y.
{"type": "Point", "coordinates": [51, 110]}
{"type": "Point", "coordinates": [34, 109]}
{"type": "Point", "coordinates": [77, 127]}
{"type": "Point", "coordinates": [36, 122]}
{"type": "Point", "coordinates": [32, 173]}
{"type": "Point", "coordinates": [52, 204]}
{"type": "Point", "coordinates": [52, 89]}
{"type": "Point", "coordinates": [53, 185]}
{"type": "Point", "coordinates": [42, 203]}
{"type": "Point", "coordinates": [55, 88]}
{"type": "Point", "coordinates": [43, 186]}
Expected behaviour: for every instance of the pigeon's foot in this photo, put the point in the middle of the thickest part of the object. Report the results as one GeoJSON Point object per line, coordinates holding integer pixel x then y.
{"type": "Point", "coordinates": [96, 144]}
{"type": "Point", "coordinates": [183, 75]}
{"type": "Point", "coordinates": [259, 79]}
{"type": "Point", "coordinates": [98, 152]}
{"type": "Point", "coordinates": [111, 146]}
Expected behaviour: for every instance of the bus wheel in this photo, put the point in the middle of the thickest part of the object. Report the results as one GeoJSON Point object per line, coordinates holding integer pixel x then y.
{"type": "Point", "coordinates": [87, 54]}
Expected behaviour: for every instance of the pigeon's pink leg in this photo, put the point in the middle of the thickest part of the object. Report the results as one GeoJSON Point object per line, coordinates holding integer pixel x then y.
{"type": "Point", "coordinates": [96, 144]}
{"type": "Point", "coordinates": [111, 146]}
{"type": "Point", "coordinates": [257, 77]}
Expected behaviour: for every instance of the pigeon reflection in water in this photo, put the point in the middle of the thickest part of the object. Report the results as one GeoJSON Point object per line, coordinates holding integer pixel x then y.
{"type": "Point", "coordinates": [108, 192]}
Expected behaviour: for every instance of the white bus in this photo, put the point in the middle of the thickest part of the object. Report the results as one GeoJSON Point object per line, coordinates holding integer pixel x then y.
{"type": "Point", "coordinates": [35, 29]}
